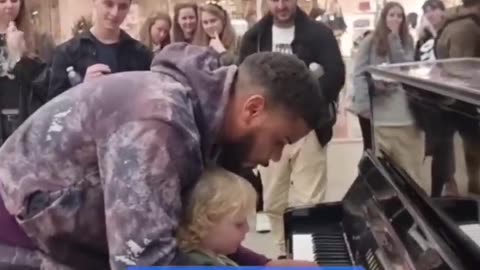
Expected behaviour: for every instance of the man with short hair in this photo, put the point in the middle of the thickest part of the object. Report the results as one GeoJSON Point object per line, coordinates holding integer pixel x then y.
{"type": "Point", "coordinates": [300, 176]}
{"type": "Point", "coordinates": [104, 49]}
{"type": "Point", "coordinates": [97, 176]}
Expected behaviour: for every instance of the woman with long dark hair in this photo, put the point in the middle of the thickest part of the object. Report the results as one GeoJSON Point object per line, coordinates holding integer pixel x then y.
{"type": "Point", "coordinates": [394, 126]}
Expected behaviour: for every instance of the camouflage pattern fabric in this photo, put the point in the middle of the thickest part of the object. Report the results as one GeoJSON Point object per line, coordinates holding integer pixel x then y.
{"type": "Point", "coordinates": [22, 259]}
{"type": "Point", "coordinates": [95, 176]}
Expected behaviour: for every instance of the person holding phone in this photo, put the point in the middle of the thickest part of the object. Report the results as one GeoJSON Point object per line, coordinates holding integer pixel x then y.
{"type": "Point", "coordinates": [102, 50]}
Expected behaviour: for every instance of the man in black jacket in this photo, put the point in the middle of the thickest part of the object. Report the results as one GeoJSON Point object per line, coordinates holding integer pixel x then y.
{"type": "Point", "coordinates": [102, 50]}
{"type": "Point", "coordinates": [301, 173]}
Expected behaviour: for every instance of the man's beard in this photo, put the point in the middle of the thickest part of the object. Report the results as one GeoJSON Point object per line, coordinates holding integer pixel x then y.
{"type": "Point", "coordinates": [234, 155]}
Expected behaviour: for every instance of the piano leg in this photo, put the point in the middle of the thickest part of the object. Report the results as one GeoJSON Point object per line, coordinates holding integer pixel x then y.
{"type": "Point", "coordinates": [443, 164]}
{"type": "Point", "coordinates": [472, 160]}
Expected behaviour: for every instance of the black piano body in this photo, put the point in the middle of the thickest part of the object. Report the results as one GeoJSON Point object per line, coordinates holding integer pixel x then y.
{"type": "Point", "coordinates": [386, 221]}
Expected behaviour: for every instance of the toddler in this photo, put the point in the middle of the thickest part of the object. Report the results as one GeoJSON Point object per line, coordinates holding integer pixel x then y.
{"type": "Point", "coordinates": [215, 219]}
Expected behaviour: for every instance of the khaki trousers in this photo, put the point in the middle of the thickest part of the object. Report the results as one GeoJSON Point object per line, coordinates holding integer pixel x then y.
{"type": "Point", "coordinates": [406, 147]}
{"type": "Point", "coordinates": [298, 178]}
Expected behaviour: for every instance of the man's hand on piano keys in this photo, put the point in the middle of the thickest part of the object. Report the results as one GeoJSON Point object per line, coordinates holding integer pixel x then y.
{"type": "Point", "coordinates": [288, 262]}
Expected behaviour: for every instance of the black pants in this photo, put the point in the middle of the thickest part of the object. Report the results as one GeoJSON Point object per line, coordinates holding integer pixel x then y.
{"type": "Point", "coordinates": [440, 145]}
{"type": "Point", "coordinates": [8, 124]}
{"type": "Point", "coordinates": [366, 128]}
{"type": "Point", "coordinates": [443, 165]}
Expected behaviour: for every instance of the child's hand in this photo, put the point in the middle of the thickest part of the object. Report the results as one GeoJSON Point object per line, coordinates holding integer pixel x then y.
{"type": "Point", "coordinates": [288, 262]}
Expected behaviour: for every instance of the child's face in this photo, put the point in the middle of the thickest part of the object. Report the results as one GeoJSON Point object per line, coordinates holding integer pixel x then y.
{"type": "Point", "coordinates": [227, 235]}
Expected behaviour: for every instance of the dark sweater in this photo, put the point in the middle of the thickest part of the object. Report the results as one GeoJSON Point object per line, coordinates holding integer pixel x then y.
{"type": "Point", "coordinates": [313, 42]}
{"type": "Point", "coordinates": [82, 51]}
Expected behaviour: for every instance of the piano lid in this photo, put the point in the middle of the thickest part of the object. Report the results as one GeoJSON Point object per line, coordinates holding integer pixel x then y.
{"type": "Point", "coordinates": [455, 78]}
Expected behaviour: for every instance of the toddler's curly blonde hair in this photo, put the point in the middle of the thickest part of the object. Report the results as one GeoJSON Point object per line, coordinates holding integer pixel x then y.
{"type": "Point", "coordinates": [218, 194]}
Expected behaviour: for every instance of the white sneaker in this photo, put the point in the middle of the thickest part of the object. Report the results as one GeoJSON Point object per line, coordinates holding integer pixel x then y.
{"type": "Point", "coordinates": [262, 223]}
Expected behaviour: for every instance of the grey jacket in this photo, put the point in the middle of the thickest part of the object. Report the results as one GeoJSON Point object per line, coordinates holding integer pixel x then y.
{"type": "Point", "coordinates": [95, 176]}
{"type": "Point", "coordinates": [390, 108]}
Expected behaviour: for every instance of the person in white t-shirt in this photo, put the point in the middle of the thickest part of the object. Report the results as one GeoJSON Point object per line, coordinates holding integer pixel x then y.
{"type": "Point", "coordinates": [300, 176]}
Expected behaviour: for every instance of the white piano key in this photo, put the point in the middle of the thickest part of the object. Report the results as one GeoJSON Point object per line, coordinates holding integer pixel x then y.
{"type": "Point", "coordinates": [302, 247]}
{"type": "Point", "coordinates": [473, 231]}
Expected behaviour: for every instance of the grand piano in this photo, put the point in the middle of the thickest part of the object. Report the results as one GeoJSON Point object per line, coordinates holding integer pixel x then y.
{"type": "Point", "coordinates": [386, 220]}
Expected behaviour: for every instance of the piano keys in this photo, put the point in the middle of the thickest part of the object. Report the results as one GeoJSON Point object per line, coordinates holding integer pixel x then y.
{"type": "Point", "coordinates": [328, 246]}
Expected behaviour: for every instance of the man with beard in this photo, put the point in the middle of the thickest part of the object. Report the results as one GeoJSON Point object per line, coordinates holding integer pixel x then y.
{"type": "Point", "coordinates": [97, 176]}
{"type": "Point", "coordinates": [300, 176]}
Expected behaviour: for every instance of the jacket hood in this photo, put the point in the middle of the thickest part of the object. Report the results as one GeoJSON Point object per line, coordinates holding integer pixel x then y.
{"type": "Point", "coordinates": [209, 83]}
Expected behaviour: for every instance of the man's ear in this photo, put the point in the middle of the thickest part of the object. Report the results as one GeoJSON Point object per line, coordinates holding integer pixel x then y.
{"type": "Point", "coordinates": [254, 107]}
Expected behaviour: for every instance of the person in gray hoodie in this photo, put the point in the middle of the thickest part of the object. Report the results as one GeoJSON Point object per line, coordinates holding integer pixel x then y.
{"type": "Point", "coordinates": [97, 176]}
{"type": "Point", "coordinates": [395, 132]}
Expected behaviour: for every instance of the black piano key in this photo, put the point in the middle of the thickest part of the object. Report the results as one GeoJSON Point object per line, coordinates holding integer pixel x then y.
{"type": "Point", "coordinates": [343, 258]}
{"type": "Point", "coordinates": [330, 252]}
{"type": "Point", "coordinates": [335, 263]}
{"type": "Point", "coordinates": [338, 249]}
{"type": "Point", "coordinates": [329, 246]}
{"type": "Point", "coordinates": [335, 259]}
{"type": "Point", "coordinates": [332, 237]}
{"type": "Point", "coordinates": [331, 255]}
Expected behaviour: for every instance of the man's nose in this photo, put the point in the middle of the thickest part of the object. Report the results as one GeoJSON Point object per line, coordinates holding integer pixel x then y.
{"type": "Point", "coordinates": [282, 4]}
{"type": "Point", "coordinates": [114, 11]}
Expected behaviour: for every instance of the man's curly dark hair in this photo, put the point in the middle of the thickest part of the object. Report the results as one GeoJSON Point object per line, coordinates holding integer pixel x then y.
{"type": "Point", "coordinates": [287, 83]}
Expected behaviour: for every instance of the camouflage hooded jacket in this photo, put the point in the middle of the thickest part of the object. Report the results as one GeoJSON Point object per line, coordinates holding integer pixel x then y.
{"type": "Point", "coordinates": [94, 177]}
